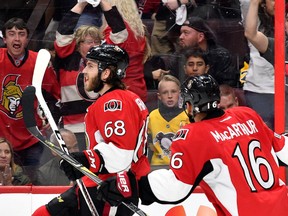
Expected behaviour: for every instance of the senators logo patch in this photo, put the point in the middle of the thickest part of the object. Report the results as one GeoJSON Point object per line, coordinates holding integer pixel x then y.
{"type": "Point", "coordinates": [11, 96]}
{"type": "Point", "coordinates": [181, 134]}
{"type": "Point", "coordinates": [112, 105]}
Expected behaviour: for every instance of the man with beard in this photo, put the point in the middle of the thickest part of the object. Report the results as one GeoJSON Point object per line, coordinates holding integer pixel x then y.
{"type": "Point", "coordinates": [195, 32]}
{"type": "Point", "coordinates": [116, 128]}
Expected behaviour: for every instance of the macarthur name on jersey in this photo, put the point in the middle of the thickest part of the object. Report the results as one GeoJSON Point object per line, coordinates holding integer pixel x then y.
{"type": "Point", "coordinates": [235, 130]}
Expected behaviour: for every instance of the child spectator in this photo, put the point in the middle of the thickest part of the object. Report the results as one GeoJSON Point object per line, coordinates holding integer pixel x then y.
{"type": "Point", "coordinates": [166, 119]}
{"type": "Point", "coordinates": [196, 62]}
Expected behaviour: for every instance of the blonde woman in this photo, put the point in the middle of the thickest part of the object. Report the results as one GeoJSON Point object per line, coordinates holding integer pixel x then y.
{"type": "Point", "coordinates": [71, 47]}
{"type": "Point", "coordinates": [10, 173]}
{"type": "Point", "coordinates": [123, 26]}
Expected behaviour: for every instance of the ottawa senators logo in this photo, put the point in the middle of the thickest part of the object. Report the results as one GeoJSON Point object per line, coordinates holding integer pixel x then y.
{"type": "Point", "coordinates": [181, 134]}
{"type": "Point", "coordinates": [11, 95]}
{"type": "Point", "coordinates": [113, 105]}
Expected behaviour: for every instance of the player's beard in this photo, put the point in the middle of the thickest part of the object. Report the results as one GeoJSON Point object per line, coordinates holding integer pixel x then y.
{"type": "Point", "coordinates": [97, 84]}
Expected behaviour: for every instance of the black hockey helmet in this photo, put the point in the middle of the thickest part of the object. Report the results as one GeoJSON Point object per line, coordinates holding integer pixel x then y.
{"type": "Point", "coordinates": [109, 55]}
{"type": "Point", "coordinates": [202, 92]}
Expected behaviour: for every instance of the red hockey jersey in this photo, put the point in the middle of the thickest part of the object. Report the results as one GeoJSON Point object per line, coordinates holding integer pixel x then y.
{"type": "Point", "coordinates": [116, 125]}
{"type": "Point", "coordinates": [13, 82]}
{"type": "Point", "coordinates": [235, 157]}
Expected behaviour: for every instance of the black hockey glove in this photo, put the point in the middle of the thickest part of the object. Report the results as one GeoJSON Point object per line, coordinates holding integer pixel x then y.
{"type": "Point", "coordinates": [71, 172]}
{"type": "Point", "coordinates": [118, 189]}
{"type": "Point", "coordinates": [66, 204]}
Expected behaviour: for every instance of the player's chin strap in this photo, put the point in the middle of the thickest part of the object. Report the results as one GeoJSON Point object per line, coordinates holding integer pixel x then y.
{"type": "Point", "coordinates": [183, 100]}
{"type": "Point", "coordinates": [190, 117]}
{"type": "Point", "coordinates": [188, 112]}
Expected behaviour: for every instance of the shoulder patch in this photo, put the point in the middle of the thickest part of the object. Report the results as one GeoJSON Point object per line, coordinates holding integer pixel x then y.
{"type": "Point", "coordinates": [113, 105]}
{"type": "Point", "coordinates": [181, 134]}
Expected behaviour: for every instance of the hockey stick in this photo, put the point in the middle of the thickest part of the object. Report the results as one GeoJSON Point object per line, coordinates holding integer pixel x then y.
{"type": "Point", "coordinates": [30, 122]}
{"type": "Point", "coordinates": [41, 64]}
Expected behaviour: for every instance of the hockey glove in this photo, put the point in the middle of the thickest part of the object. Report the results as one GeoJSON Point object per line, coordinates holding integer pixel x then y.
{"type": "Point", "coordinates": [88, 158]}
{"type": "Point", "coordinates": [118, 189]}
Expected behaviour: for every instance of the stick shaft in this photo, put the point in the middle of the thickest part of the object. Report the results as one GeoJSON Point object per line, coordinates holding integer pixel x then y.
{"type": "Point", "coordinates": [30, 122]}
{"type": "Point", "coordinates": [41, 64]}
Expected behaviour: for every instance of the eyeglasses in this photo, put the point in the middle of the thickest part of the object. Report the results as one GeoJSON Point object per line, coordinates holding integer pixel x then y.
{"type": "Point", "coordinates": [89, 42]}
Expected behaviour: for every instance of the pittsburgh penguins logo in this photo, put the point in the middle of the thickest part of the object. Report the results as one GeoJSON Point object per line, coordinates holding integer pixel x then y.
{"type": "Point", "coordinates": [181, 134]}
{"type": "Point", "coordinates": [165, 141]}
{"type": "Point", "coordinates": [113, 105]}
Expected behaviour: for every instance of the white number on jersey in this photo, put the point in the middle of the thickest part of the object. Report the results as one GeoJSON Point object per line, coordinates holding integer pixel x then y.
{"type": "Point", "coordinates": [176, 161]}
{"type": "Point", "coordinates": [255, 163]}
{"type": "Point", "coordinates": [118, 128]}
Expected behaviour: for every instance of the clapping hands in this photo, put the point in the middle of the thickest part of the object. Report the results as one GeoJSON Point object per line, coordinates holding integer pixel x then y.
{"type": "Point", "coordinates": [6, 177]}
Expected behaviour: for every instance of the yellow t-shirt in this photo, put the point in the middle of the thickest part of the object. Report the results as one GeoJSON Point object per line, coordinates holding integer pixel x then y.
{"type": "Point", "coordinates": [162, 132]}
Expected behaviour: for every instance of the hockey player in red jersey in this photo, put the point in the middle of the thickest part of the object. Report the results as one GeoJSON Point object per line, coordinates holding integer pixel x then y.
{"type": "Point", "coordinates": [231, 154]}
{"type": "Point", "coordinates": [116, 128]}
